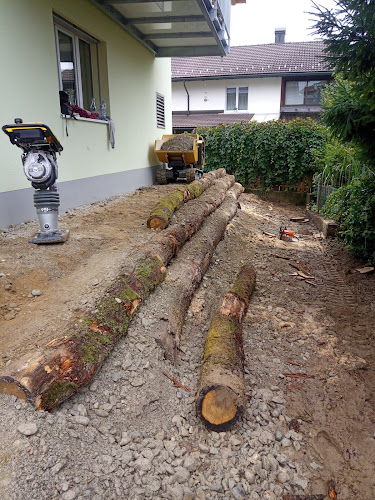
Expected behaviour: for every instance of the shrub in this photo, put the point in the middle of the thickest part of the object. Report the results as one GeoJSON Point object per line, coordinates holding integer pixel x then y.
{"type": "Point", "coordinates": [276, 152]}
{"type": "Point", "coordinates": [353, 207]}
{"type": "Point", "coordinates": [337, 163]}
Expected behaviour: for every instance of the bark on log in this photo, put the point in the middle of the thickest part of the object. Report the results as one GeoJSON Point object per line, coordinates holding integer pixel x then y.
{"type": "Point", "coordinates": [221, 397]}
{"type": "Point", "coordinates": [49, 376]}
{"type": "Point", "coordinates": [183, 282]}
{"type": "Point", "coordinates": [161, 215]}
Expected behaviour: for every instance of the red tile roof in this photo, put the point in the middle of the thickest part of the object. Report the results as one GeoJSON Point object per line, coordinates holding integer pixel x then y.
{"type": "Point", "coordinates": [269, 59]}
{"type": "Point", "coordinates": [208, 120]}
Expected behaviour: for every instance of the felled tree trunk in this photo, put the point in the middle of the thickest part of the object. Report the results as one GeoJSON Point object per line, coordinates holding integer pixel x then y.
{"type": "Point", "coordinates": [49, 376]}
{"type": "Point", "coordinates": [221, 396]}
{"type": "Point", "coordinates": [184, 281]}
{"type": "Point", "coordinates": [161, 215]}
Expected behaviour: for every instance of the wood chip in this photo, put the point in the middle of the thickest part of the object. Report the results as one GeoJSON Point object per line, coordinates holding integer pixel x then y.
{"type": "Point", "coordinates": [289, 496]}
{"type": "Point", "coordinates": [294, 425]}
{"type": "Point", "coordinates": [293, 363]}
{"type": "Point", "coordinates": [332, 490]}
{"type": "Point", "coordinates": [310, 283]}
{"type": "Point", "coordinates": [269, 234]}
{"type": "Point", "coordinates": [176, 383]}
{"type": "Point", "coordinates": [305, 276]}
{"type": "Point", "coordinates": [302, 220]}
{"type": "Point", "coordinates": [279, 256]}
{"type": "Point", "coordinates": [365, 270]}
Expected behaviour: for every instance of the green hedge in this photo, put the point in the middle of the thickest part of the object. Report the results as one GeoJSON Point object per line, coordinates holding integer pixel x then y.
{"type": "Point", "coordinates": [277, 152]}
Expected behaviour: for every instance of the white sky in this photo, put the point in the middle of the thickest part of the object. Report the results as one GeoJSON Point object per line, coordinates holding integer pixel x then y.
{"type": "Point", "coordinates": [255, 22]}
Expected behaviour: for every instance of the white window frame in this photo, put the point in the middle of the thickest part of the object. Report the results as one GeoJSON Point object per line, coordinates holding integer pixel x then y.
{"type": "Point", "coordinates": [237, 98]}
{"type": "Point", "coordinates": [307, 81]}
{"type": "Point", "coordinates": [76, 34]}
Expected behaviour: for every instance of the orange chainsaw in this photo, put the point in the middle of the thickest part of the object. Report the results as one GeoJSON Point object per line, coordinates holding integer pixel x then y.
{"type": "Point", "coordinates": [283, 233]}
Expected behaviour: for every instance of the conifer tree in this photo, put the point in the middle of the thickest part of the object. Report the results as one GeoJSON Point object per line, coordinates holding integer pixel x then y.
{"type": "Point", "coordinates": [348, 31]}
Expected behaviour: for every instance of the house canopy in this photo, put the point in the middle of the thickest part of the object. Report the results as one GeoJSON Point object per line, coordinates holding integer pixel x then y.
{"type": "Point", "coordinates": [175, 28]}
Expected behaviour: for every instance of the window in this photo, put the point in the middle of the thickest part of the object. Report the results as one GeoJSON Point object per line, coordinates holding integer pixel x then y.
{"type": "Point", "coordinates": [237, 98]}
{"type": "Point", "coordinates": [160, 110]}
{"type": "Point", "coordinates": [303, 92]}
{"type": "Point", "coordinates": [78, 64]}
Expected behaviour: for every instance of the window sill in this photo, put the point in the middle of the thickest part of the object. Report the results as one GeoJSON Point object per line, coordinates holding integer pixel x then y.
{"type": "Point", "coordinates": [82, 119]}
{"type": "Point", "coordinates": [301, 108]}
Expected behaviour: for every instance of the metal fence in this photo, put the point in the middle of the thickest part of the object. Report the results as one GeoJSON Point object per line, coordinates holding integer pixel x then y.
{"type": "Point", "coordinates": [324, 192]}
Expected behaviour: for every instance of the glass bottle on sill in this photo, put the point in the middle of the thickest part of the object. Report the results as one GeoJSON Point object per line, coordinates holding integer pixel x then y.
{"type": "Point", "coordinates": [93, 105]}
{"type": "Point", "coordinates": [103, 110]}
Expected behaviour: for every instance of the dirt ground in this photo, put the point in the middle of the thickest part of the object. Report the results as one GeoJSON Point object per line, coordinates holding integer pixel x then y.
{"type": "Point", "coordinates": [316, 337]}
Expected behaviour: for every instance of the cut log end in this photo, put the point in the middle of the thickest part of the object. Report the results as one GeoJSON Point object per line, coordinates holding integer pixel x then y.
{"type": "Point", "coordinates": [9, 386]}
{"type": "Point", "coordinates": [219, 408]}
{"type": "Point", "coordinates": [156, 222]}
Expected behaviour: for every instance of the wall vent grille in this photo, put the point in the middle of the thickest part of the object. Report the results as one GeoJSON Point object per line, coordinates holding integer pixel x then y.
{"type": "Point", "coordinates": [160, 110]}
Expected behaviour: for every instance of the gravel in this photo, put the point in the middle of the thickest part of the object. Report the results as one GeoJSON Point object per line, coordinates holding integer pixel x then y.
{"type": "Point", "coordinates": [125, 440]}
{"type": "Point", "coordinates": [132, 434]}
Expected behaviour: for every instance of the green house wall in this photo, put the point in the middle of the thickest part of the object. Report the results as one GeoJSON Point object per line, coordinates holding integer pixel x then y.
{"type": "Point", "coordinates": [89, 169]}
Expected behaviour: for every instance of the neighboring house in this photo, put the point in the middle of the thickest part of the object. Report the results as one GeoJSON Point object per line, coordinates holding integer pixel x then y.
{"type": "Point", "coordinates": [116, 51]}
{"type": "Point", "coordinates": [254, 82]}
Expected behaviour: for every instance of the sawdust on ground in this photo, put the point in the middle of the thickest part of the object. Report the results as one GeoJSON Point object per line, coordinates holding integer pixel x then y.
{"type": "Point", "coordinates": [316, 338]}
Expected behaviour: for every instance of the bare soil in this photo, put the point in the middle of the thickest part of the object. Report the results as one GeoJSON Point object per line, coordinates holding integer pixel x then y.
{"type": "Point", "coordinates": [315, 339]}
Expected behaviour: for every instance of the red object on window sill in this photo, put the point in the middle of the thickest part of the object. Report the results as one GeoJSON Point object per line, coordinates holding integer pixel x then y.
{"type": "Point", "coordinates": [84, 113]}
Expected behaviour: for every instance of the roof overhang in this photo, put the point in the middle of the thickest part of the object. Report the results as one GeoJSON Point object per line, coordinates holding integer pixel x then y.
{"type": "Point", "coordinates": [318, 74]}
{"type": "Point", "coordinates": [175, 28]}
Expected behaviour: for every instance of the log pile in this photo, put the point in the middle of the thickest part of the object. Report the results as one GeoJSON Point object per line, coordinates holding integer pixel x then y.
{"type": "Point", "coordinates": [221, 396]}
{"type": "Point", "coordinates": [161, 215]}
{"type": "Point", "coordinates": [180, 288]}
{"type": "Point", "coordinates": [49, 376]}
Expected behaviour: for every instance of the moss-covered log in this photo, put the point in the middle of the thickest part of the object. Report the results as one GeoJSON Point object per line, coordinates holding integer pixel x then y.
{"type": "Point", "coordinates": [49, 376]}
{"type": "Point", "coordinates": [183, 281]}
{"type": "Point", "coordinates": [161, 215]}
{"type": "Point", "coordinates": [221, 397]}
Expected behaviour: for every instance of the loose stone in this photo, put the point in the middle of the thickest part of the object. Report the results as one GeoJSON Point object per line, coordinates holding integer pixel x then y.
{"type": "Point", "coordinates": [283, 477]}
{"type": "Point", "coordinates": [69, 495]}
{"type": "Point", "coordinates": [286, 442]}
{"type": "Point", "coordinates": [137, 382]}
{"type": "Point", "coordinates": [9, 316]}
{"type": "Point", "coordinates": [82, 420]}
{"type": "Point", "coordinates": [27, 429]}
{"type": "Point", "coordinates": [278, 436]}
{"type": "Point", "coordinates": [238, 493]}
{"type": "Point", "coordinates": [182, 474]}
{"type": "Point", "coordinates": [278, 400]}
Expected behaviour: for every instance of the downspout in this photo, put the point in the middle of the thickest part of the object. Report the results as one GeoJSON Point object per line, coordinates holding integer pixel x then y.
{"type": "Point", "coordinates": [188, 99]}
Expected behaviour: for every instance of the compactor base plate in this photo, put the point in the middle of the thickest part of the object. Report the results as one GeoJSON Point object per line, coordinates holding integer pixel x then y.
{"type": "Point", "coordinates": [45, 238]}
